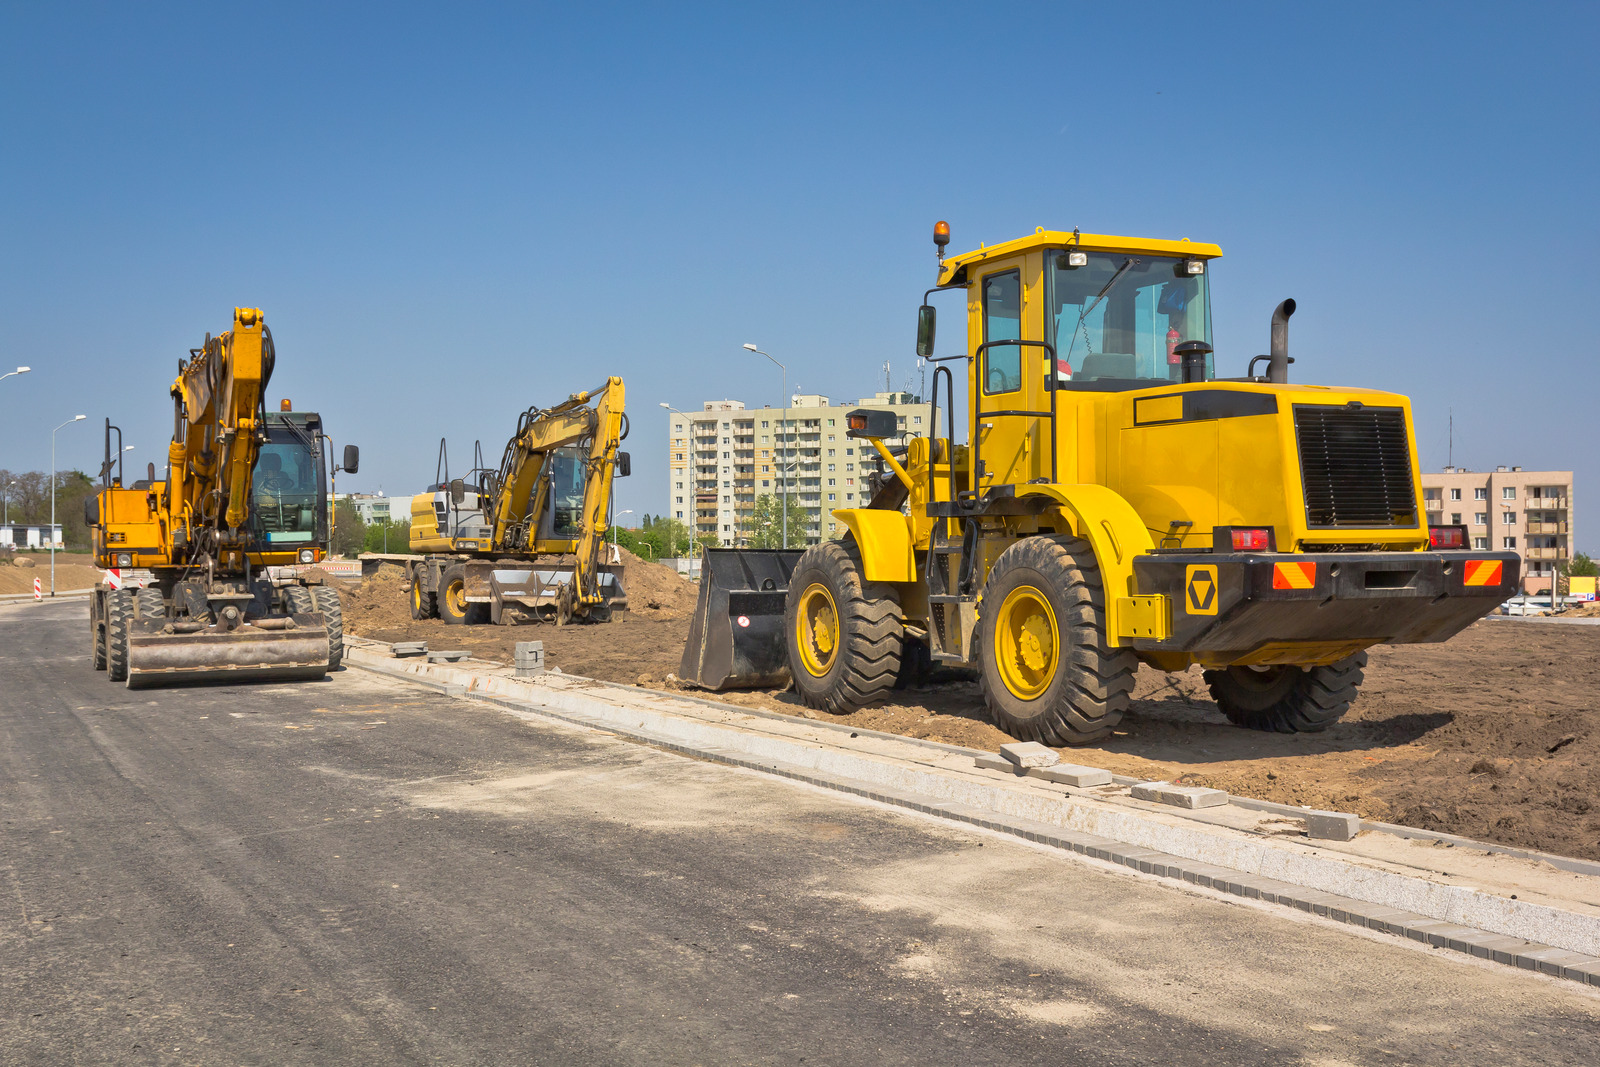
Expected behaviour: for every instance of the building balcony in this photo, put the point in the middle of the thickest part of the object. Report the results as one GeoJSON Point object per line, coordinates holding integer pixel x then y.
{"type": "Point", "coordinates": [1546, 503]}
{"type": "Point", "coordinates": [1547, 527]}
{"type": "Point", "coordinates": [1544, 553]}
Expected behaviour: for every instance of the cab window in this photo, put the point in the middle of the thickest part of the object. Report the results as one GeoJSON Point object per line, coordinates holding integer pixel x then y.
{"type": "Point", "coordinates": [1002, 321]}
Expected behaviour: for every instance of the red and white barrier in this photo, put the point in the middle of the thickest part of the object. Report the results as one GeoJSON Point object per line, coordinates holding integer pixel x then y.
{"type": "Point", "coordinates": [38, 590]}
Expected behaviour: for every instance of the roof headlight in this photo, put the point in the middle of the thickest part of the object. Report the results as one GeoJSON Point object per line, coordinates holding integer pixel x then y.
{"type": "Point", "coordinates": [1194, 266]}
{"type": "Point", "coordinates": [1072, 260]}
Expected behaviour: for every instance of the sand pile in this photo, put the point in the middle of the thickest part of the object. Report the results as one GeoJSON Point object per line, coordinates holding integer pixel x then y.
{"type": "Point", "coordinates": [654, 590]}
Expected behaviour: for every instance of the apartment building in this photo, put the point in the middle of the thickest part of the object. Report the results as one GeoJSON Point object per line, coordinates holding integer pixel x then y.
{"type": "Point", "coordinates": [724, 456]}
{"type": "Point", "coordinates": [1508, 508]}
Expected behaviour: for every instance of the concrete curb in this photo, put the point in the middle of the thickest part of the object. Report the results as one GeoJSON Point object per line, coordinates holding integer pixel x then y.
{"type": "Point", "coordinates": [1525, 934]}
{"type": "Point", "coordinates": [61, 594]}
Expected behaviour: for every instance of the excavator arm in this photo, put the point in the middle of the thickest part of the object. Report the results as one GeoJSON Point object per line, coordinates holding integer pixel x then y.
{"type": "Point", "coordinates": [217, 426]}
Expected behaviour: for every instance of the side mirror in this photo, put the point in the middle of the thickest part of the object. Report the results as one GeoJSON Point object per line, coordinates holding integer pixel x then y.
{"type": "Point", "coordinates": [926, 318]}
{"type": "Point", "coordinates": [352, 459]}
{"type": "Point", "coordinates": [458, 490]}
{"type": "Point", "coordinates": [624, 464]}
{"type": "Point", "coordinates": [91, 510]}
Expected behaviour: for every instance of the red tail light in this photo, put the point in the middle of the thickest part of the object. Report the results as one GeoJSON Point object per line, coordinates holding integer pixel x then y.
{"type": "Point", "coordinates": [1251, 540]}
{"type": "Point", "coordinates": [1447, 536]}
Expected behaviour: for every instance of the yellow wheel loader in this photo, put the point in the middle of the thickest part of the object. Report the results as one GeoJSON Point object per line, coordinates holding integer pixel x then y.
{"type": "Point", "coordinates": [1114, 502]}
{"type": "Point", "coordinates": [228, 535]}
{"type": "Point", "coordinates": [523, 542]}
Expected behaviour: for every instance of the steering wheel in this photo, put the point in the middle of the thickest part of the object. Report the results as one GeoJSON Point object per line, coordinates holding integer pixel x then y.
{"type": "Point", "coordinates": [275, 481]}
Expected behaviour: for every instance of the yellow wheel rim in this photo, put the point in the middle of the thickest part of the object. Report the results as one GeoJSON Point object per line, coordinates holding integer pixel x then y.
{"type": "Point", "coordinates": [416, 595]}
{"type": "Point", "coordinates": [816, 629]}
{"type": "Point", "coordinates": [1027, 642]}
{"type": "Point", "coordinates": [456, 594]}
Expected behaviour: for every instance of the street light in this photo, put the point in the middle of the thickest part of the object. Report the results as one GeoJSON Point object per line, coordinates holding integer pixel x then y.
{"type": "Point", "coordinates": [625, 511]}
{"type": "Point", "coordinates": [783, 481]}
{"type": "Point", "coordinates": [19, 370]}
{"type": "Point", "coordinates": [75, 418]}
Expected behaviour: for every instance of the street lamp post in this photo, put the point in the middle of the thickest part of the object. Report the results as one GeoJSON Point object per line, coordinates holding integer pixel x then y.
{"type": "Point", "coordinates": [626, 511]}
{"type": "Point", "coordinates": [75, 418]}
{"type": "Point", "coordinates": [5, 500]}
{"type": "Point", "coordinates": [783, 483]}
{"type": "Point", "coordinates": [19, 370]}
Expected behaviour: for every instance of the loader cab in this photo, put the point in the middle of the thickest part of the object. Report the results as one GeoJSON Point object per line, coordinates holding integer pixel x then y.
{"type": "Point", "coordinates": [567, 471]}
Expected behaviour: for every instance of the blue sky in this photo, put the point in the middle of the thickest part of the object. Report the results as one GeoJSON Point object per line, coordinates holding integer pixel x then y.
{"type": "Point", "coordinates": [451, 212]}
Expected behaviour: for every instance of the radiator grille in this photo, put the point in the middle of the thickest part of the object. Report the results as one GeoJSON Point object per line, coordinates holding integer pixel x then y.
{"type": "Point", "coordinates": [1356, 466]}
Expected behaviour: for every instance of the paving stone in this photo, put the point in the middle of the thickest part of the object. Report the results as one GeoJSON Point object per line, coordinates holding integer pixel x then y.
{"type": "Point", "coordinates": [1552, 960]}
{"type": "Point", "coordinates": [1332, 825]}
{"type": "Point", "coordinates": [408, 648]}
{"type": "Point", "coordinates": [1072, 774]}
{"type": "Point", "coordinates": [1182, 796]}
{"type": "Point", "coordinates": [448, 656]}
{"type": "Point", "coordinates": [1029, 754]}
{"type": "Point", "coordinates": [996, 763]}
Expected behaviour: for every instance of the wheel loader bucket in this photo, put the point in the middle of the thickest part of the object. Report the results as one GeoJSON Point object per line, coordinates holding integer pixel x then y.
{"type": "Point", "coordinates": [295, 649]}
{"type": "Point", "coordinates": [736, 639]}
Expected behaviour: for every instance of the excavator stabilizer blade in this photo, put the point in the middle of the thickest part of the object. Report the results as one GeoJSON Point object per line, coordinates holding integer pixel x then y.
{"type": "Point", "coordinates": [736, 639]}
{"type": "Point", "coordinates": [157, 656]}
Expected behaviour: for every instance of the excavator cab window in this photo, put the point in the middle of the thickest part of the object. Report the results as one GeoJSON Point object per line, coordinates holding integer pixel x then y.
{"type": "Point", "coordinates": [287, 490]}
{"type": "Point", "coordinates": [1116, 319]}
{"type": "Point", "coordinates": [564, 516]}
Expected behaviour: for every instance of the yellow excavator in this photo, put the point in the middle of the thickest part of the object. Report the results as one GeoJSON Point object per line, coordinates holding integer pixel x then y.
{"type": "Point", "coordinates": [1115, 502]}
{"type": "Point", "coordinates": [227, 536]}
{"type": "Point", "coordinates": [523, 542]}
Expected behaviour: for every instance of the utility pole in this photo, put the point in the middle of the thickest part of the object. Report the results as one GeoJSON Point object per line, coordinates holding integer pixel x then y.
{"type": "Point", "coordinates": [783, 412]}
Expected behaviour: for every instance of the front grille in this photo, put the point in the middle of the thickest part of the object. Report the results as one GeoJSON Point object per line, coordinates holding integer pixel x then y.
{"type": "Point", "coordinates": [1356, 466]}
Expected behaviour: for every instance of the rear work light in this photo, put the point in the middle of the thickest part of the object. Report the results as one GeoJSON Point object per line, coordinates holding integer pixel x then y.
{"type": "Point", "coordinates": [1447, 537]}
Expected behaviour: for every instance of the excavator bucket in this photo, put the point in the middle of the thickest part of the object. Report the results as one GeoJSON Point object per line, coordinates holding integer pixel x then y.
{"type": "Point", "coordinates": [288, 648]}
{"type": "Point", "coordinates": [736, 639]}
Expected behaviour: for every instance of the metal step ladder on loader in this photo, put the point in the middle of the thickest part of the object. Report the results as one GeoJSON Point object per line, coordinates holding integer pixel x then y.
{"type": "Point", "coordinates": [1118, 504]}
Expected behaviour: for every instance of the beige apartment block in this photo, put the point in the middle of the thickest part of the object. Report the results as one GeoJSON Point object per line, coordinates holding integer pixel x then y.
{"type": "Point", "coordinates": [1508, 508]}
{"type": "Point", "coordinates": [724, 456]}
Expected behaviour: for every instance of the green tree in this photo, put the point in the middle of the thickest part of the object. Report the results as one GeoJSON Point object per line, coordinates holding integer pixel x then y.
{"type": "Point", "coordinates": [1582, 567]}
{"type": "Point", "coordinates": [761, 527]}
{"type": "Point", "coordinates": [349, 532]}
{"type": "Point", "coordinates": [385, 535]}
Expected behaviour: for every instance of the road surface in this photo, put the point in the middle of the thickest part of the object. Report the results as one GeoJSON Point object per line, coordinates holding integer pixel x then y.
{"type": "Point", "coordinates": [357, 871]}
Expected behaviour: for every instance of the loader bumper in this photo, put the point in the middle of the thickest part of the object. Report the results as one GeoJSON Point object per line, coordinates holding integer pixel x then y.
{"type": "Point", "coordinates": [159, 655]}
{"type": "Point", "coordinates": [736, 639]}
{"type": "Point", "coordinates": [1241, 603]}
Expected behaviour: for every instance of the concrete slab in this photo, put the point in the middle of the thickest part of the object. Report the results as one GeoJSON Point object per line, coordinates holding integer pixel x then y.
{"type": "Point", "coordinates": [1029, 754]}
{"type": "Point", "coordinates": [1179, 796]}
{"type": "Point", "coordinates": [1072, 774]}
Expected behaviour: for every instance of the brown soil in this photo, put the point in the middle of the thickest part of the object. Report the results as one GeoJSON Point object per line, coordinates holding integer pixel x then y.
{"type": "Point", "coordinates": [74, 570]}
{"type": "Point", "coordinates": [1494, 734]}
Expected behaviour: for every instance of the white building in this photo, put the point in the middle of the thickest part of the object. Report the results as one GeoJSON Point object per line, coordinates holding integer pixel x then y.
{"type": "Point", "coordinates": [724, 456]}
{"type": "Point", "coordinates": [26, 535]}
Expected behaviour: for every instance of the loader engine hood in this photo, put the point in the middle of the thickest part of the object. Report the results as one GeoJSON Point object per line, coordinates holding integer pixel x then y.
{"type": "Point", "coordinates": [1324, 468]}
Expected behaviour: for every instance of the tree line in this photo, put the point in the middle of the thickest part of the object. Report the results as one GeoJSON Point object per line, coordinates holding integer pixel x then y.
{"type": "Point", "coordinates": [25, 500]}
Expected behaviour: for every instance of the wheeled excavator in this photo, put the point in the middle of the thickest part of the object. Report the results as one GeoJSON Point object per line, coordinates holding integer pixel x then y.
{"type": "Point", "coordinates": [523, 542]}
{"type": "Point", "coordinates": [228, 535]}
{"type": "Point", "coordinates": [1105, 498]}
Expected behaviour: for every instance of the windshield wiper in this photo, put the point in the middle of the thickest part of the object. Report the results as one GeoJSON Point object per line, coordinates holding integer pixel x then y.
{"type": "Point", "coordinates": [1101, 295]}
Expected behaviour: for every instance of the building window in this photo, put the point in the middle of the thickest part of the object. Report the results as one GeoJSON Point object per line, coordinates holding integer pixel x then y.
{"type": "Point", "coordinates": [1455, 518]}
{"type": "Point", "coordinates": [830, 423]}
{"type": "Point", "coordinates": [680, 514]}
{"type": "Point", "coordinates": [1480, 542]}
{"type": "Point", "coordinates": [765, 482]}
{"type": "Point", "coordinates": [1480, 494]}
{"type": "Point", "coordinates": [1480, 518]}
{"type": "Point", "coordinates": [726, 499]}
{"type": "Point", "coordinates": [916, 420]}
{"type": "Point", "coordinates": [1508, 518]}
{"type": "Point", "coordinates": [724, 527]}
{"type": "Point", "coordinates": [1455, 494]}
{"type": "Point", "coordinates": [830, 496]}
{"type": "Point", "coordinates": [1508, 542]}
{"type": "Point", "coordinates": [680, 500]}
{"type": "Point", "coordinates": [1508, 492]}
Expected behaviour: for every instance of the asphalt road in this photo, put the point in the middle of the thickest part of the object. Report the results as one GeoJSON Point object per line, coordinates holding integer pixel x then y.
{"type": "Point", "coordinates": [361, 872]}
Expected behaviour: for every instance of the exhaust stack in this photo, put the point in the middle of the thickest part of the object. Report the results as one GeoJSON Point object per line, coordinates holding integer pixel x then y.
{"type": "Point", "coordinates": [1278, 362]}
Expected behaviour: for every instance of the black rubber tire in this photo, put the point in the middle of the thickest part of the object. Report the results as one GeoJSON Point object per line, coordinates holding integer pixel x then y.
{"type": "Point", "coordinates": [300, 600]}
{"type": "Point", "coordinates": [423, 605]}
{"type": "Point", "coordinates": [151, 604]}
{"type": "Point", "coordinates": [871, 639]}
{"type": "Point", "coordinates": [1287, 700]}
{"type": "Point", "coordinates": [447, 610]}
{"type": "Point", "coordinates": [326, 598]}
{"type": "Point", "coordinates": [97, 633]}
{"type": "Point", "coordinates": [119, 609]}
{"type": "Point", "coordinates": [1092, 682]}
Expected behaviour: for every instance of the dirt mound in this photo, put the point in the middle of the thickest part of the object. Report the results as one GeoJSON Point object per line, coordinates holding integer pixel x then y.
{"type": "Point", "coordinates": [379, 601]}
{"type": "Point", "coordinates": [654, 590]}
{"type": "Point", "coordinates": [69, 575]}
{"type": "Point", "coordinates": [1583, 611]}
